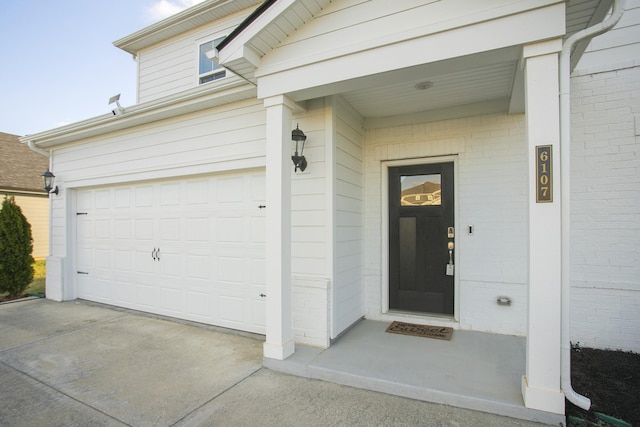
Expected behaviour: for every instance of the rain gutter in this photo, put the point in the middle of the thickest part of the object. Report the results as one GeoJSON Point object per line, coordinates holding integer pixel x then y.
{"type": "Point", "coordinates": [32, 146]}
{"type": "Point", "coordinates": [565, 174]}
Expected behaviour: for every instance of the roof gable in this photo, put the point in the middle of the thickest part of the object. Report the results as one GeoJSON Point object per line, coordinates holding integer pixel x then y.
{"type": "Point", "coordinates": [20, 168]}
{"type": "Point", "coordinates": [276, 20]}
{"type": "Point", "coordinates": [193, 17]}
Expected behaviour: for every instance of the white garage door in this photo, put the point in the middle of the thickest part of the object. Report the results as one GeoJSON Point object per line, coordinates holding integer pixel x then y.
{"type": "Point", "coordinates": [192, 249]}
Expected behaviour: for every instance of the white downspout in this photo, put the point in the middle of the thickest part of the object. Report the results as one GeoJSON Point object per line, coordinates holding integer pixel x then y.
{"type": "Point", "coordinates": [32, 146]}
{"type": "Point", "coordinates": [565, 153]}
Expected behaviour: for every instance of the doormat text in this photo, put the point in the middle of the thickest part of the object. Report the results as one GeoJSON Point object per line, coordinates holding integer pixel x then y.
{"type": "Point", "coordinates": [427, 331]}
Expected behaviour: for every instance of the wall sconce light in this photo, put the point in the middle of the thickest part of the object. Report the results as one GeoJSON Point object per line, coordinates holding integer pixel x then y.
{"type": "Point", "coordinates": [118, 110]}
{"type": "Point", "coordinates": [298, 160]}
{"type": "Point", "coordinates": [48, 179]}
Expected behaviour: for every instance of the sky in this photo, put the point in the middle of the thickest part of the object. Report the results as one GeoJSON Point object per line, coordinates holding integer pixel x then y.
{"type": "Point", "coordinates": [58, 64]}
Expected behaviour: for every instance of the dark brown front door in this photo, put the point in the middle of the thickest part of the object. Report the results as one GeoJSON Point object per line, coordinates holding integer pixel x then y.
{"type": "Point", "coordinates": [420, 236]}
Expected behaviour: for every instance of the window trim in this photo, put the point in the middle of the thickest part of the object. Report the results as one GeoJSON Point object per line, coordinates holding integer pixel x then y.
{"type": "Point", "coordinates": [216, 73]}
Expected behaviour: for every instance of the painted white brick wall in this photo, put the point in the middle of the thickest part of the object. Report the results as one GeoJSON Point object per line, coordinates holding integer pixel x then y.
{"type": "Point", "coordinates": [311, 311]}
{"type": "Point", "coordinates": [492, 196]}
{"type": "Point", "coordinates": [605, 208]}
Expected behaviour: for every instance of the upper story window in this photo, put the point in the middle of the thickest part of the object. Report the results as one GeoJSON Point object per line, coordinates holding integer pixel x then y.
{"type": "Point", "coordinates": [208, 69]}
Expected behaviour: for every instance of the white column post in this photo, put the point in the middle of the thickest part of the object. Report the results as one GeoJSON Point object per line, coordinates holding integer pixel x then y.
{"type": "Point", "coordinates": [279, 343]}
{"type": "Point", "coordinates": [541, 384]}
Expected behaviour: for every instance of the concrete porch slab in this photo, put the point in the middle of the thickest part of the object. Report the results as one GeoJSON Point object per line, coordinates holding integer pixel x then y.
{"type": "Point", "coordinates": [474, 370]}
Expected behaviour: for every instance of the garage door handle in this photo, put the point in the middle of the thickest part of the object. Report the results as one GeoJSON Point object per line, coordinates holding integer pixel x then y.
{"type": "Point", "coordinates": [158, 254]}
{"type": "Point", "coordinates": [154, 254]}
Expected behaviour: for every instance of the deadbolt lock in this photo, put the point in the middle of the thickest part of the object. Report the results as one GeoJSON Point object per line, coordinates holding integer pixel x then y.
{"type": "Point", "coordinates": [450, 246]}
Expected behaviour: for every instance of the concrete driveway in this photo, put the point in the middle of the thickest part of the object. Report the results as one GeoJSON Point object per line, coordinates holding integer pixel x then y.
{"type": "Point", "coordinates": [82, 364]}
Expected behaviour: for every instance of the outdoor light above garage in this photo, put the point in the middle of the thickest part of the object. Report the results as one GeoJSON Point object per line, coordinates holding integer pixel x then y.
{"type": "Point", "coordinates": [298, 160]}
{"type": "Point", "coordinates": [48, 179]}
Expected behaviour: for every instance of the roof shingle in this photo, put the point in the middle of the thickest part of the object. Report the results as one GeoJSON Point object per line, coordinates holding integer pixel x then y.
{"type": "Point", "coordinates": [20, 168]}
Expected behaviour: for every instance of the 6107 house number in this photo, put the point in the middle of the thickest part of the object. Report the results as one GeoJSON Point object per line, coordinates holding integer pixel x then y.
{"type": "Point", "coordinates": [544, 178]}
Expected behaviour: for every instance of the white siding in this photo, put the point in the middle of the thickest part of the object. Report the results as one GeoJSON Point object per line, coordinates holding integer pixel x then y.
{"type": "Point", "coordinates": [327, 223]}
{"type": "Point", "coordinates": [492, 197]}
{"type": "Point", "coordinates": [311, 233]}
{"type": "Point", "coordinates": [348, 300]}
{"type": "Point", "coordinates": [619, 47]}
{"type": "Point", "coordinates": [172, 66]}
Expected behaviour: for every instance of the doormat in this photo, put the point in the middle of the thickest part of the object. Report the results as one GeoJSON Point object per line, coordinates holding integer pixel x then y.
{"type": "Point", "coordinates": [427, 331]}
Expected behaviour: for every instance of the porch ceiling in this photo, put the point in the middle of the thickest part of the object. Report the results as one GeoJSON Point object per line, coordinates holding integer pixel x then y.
{"type": "Point", "coordinates": [481, 84]}
{"type": "Point", "coordinates": [484, 84]}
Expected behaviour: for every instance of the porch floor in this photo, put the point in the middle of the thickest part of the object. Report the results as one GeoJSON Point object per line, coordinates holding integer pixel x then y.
{"type": "Point", "coordinates": [473, 370]}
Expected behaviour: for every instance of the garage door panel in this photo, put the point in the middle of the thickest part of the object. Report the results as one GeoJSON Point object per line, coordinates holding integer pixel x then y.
{"type": "Point", "coordinates": [143, 196]}
{"type": "Point", "coordinates": [258, 313]}
{"type": "Point", "coordinates": [122, 262]}
{"type": "Point", "coordinates": [122, 228]}
{"type": "Point", "coordinates": [143, 229]}
{"type": "Point", "coordinates": [230, 190]}
{"type": "Point", "coordinates": [197, 229]}
{"type": "Point", "coordinates": [231, 309]}
{"type": "Point", "coordinates": [198, 266]}
{"type": "Point", "coordinates": [146, 297]}
{"type": "Point", "coordinates": [95, 289]}
{"type": "Point", "coordinates": [258, 273]}
{"type": "Point", "coordinates": [170, 194]}
{"type": "Point", "coordinates": [197, 304]}
{"type": "Point", "coordinates": [124, 293]}
{"type": "Point", "coordinates": [230, 230]}
{"type": "Point", "coordinates": [192, 249]}
{"type": "Point", "coordinates": [170, 301]}
{"type": "Point", "coordinates": [170, 229]}
{"type": "Point", "coordinates": [258, 231]}
{"type": "Point", "coordinates": [102, 199]}
{"type": "Point", "coordinates": [197, 192]}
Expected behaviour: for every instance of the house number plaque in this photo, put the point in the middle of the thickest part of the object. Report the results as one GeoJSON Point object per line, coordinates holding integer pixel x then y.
{"type": "Point", "coordinates": [544, 178]}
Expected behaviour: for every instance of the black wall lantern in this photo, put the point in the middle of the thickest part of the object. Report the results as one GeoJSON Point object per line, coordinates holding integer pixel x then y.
{"type": "Point", "coordinates": [298, 160]}
{"type": "Point", "coordinates": [48, 179]}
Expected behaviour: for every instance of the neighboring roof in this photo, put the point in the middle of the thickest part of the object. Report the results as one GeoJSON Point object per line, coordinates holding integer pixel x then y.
{"type": "Point", "coordinates": [20, 168]}
{"type": "Point", "coordinates": [193, 17]}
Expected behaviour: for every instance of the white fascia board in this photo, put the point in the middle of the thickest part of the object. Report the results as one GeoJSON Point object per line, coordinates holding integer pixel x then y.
{"type": "Point", "coordinates": [245, 54]}
{"type": "Point", "coordinates": [273, 63]}
{"type": "Point", "coordinates": [228, 90]}
{"type": "Point", "coordinates": [513, 30]}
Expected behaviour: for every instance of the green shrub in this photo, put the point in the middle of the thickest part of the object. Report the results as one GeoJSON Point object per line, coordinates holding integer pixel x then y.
{"type": "Point", "coordinates": [16, 246]}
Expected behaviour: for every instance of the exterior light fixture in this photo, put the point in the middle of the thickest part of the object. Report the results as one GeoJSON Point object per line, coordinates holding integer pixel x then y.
{"type": "Point", "coordinates": [48, 179]}
{"type": "Point", "coordinates": [298, 160]}
{"type": "Point", "coordinates": [118, 110]}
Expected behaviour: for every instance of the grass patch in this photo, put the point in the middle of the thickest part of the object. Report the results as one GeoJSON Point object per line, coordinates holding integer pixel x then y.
{"type": "Point", "coordinates": [39, 276]}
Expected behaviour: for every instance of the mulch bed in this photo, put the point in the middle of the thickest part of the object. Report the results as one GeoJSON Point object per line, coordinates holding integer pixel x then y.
{"type": "Point", "coordinates": [611, 379]}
